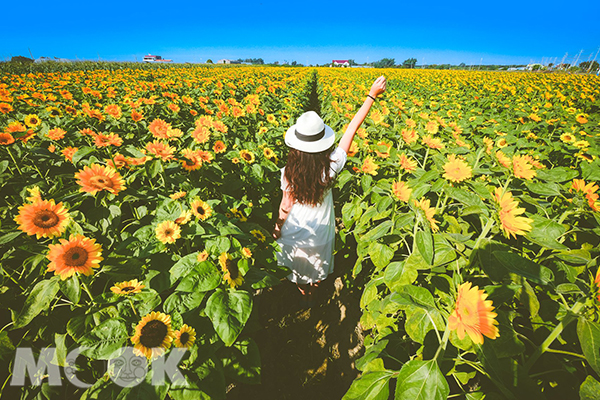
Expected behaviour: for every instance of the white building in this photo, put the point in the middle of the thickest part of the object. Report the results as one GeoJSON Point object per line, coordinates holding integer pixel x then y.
{"type": "Point", "coordinates": [340, 63]}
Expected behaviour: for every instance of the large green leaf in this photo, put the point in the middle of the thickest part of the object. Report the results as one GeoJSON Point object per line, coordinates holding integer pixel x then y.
{"type": "Point", "coordinates": [104, 339]}
{"type": "Point", "coordinates": [380, 230]}
{"type": "Point", "coordinates": [229, 312]}
{"type": "Point", "coordinates": [424, 242]}
{"type": "Point", "coordinates": [421, 380]}
{"type": "Point", "coordinates": [381, 254]}
{"type": "Point", "coordinates": [183, 266]}
{"type": "Point", "coordinates": [398, 274]}
{"type": "Point", "coordinates": [524, 267]}
{"type": "Point", "coordinates": [38, 300]}
{"type": "Point", "coordinates": [370, 386]}
{"type": "Point", "coordinates": [546, 232]}
{"type": "Point", "coordinates": [557, 174]}
{"type": "Point", "coordinates": [589, 339]}
{"type": "Point", "coordinates": [71, 288]}
{"type": "Point", "coordinates": [204, 277]}
{"type": "Point", "coordinates": [589, 389]}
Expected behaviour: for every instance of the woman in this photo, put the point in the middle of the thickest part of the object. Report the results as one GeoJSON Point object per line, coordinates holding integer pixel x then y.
{"type": "Point", "coordinates": [305, 229]}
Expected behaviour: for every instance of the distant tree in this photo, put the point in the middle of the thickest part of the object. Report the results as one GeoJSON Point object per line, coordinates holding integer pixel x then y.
{"type": "Point", "coordinates": [294, 63]}
{"type": "Point", "coordinates": [209, 61]}
{"type": "Point", "coordinates": [352, 62]}
{"type": "Point", "coordinates": [589, 66]}
{"type": "Point", "coordinates": [21, 59]}
{"type": "Point", "coordinates": [462, 66]}
{"type": "Point", "coordinates": [409, 63]}
{"type": "Point", "coordinates": [385, 63]}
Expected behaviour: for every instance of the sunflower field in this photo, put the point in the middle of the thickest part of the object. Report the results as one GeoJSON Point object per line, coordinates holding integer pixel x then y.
{"type": "Point", "coordinates": [138, 203]}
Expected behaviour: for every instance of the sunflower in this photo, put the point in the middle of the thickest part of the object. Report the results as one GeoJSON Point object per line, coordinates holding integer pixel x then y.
{"type": "Point", "coordinates": [43, 218]}
{"type": "Point", "coordinates": [168, 232]}
{"type": "Point", "coordinates": [5, 108]}
{"type": "Point", "coordinates": [56, 134]}
{"type": "Point", "coordinates": [136, 116]}
{"type": "Point", "coordinates": [127, 287]}
{"type": "Point", "coordinates": [178, 195]}
{"type": "Point", "coordinates": [202, 256]}
{"type": "Point", "coordinates": [95, 178]}
{"type": "Point", "coordinates": [201, 209]}
{"type": "Point", "coordinates": [159, 128]}
{"type": "Point", "coordinates": [503, 159]}
{"type": "Point", "coordinates": [259, 235]}
{"type": "Point", "coordinates": [190, 161]}
{"type": "Point", "coordinates": [456, 170]}
{"type": "Point", "coordinates": [34, 194]}
{"type": "Point", "coordinates": [509, 214]}
{"type": "Point", "coordinates": [161, 150]}
{"type": "Point", "coordinates": [522, 168]}
{"type": "Point", "coordinates": [369, 166]}
{"type": "Point", "coordinates": [268, 153]}
{"type": "Point", "coordinates": [424, 204]}
{"type": "Point", "coordinates": [69, 152]}
{"type": "Point", "coordinates": [118, 161]}
{"type": "Point", "coordinates": [184, 218]}
{"type": "Point", "coordinates": [581, 118]}
{"type": "Point", "coordinates": [406, 163]}
{"type": "Point", "coordinates": [78, 254]}
{"type": "Point", "coordinates": [185, 337]}
{"type": "Point", "coordinates": [246, 252]}
{"type": "Point", "coordinates": [473, 314]}
{"type": "Point", "coordinates": [434, 143]}
{"type": "Point", "coordinates": [401, 191]}
{"type": "Point", "coordinates": [201, 134]}
{"type": "Point", "coordinates": [54, 111]}
{"type": "Point", "coordinates": [219, 147]}
{"type": "Point", "coordinates": [247, 156]}
{"type": "Point", "coordinates": [153, 335]}
{"type": "Point", "coordinates": [232, 273]}
{"type": "Point", "coordinates": [32, 120]}
{"type": "Point", "coordinates": [409, 135]}
{"type": "Point", "coordinates": [6, 139]}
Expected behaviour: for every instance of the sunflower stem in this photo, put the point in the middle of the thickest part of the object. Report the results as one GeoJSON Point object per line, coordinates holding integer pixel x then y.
{"type": "Point", "coordinates": [477, 159]}
{"type": "Point", "coordinates": [132, 307]}
{"type": "Point", "coordinates": [570, 317]}
{"type": "Point", "coordinates": [443, 343]}
{"type": "Point", "coordinates": [486, 229]}
{"type": "Point", "coordinates": [13, 158]}
{"type": "Point", "coordinates": [86, 289]}
{"type": "Point", "coordinates": [425, 158]}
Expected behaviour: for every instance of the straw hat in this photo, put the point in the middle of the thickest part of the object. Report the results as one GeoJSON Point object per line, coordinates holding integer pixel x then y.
{"type": "Point", "coordinates": [310, 134]}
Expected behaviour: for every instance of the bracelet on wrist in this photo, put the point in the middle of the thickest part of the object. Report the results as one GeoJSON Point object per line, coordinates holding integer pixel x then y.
{"type": "Point", "coordinates": [371, 97]}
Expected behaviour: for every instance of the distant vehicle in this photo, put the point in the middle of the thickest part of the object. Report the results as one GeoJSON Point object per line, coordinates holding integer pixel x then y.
{"type": "Point", "coordinates": [150, 59]}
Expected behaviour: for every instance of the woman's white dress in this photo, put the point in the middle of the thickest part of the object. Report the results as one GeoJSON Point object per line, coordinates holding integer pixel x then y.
{"type": "Point", "coordinates": [308, 234]}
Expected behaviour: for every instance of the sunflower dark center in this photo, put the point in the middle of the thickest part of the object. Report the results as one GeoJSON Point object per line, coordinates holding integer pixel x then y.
{"type": "Point", "coordinates": [127, 289]}
{"type": "Point", "coordinates": [45, 219]}
{"type": "Point", "coordinates": [232, 267]}
{"type": "Point", "coordinates": [247, 156]}
{"type": "Point", "coordinates": [101, 182]}
{"type": "Point", "coordinates": [153, 333]}
{"type": "Point", "coordinates": [184, 338]}
{"type": "Point", "coordinates": [168, 232]}
{"type": "Point", "coordinates": [76, 256]}
{"type": "Point", "coordinates": [200, 210]}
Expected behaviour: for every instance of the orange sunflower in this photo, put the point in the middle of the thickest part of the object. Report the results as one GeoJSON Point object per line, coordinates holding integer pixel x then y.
{"type": "Point", "coordinates": [219, 147]}
{"type": "Point", "coordinates": [153, 335]}
{"type": "Point", "coordinates": [406, 163]}
{"type": "Point", "coordinates": [43, 218]}
{"type": "Point", "coordinates": [161, 150]}
{"type": "Point", "coordinates": [424, 204]}
{"type": "Point", "coordinates": [159, 128]}
{"type": "Point", "coordinates": [512, 223]}
{"type": "Point", "coordinates": [95, 178]}
{"type": "Point", "coordinates": [401, 191]}
{"type": "Point", "coordinates": [247, 156]}
{"type": "Point", "coordinates": [522, 168]}
{"type": "Point", "coordinates": [6, 139]}
{"type": "Point", "coordinates": [190, 161]}
{"type": "Point", "coordinates": [473, 314]}
{"type": "Point", "coordinates": [457, 170]}
{"type": "Point", "coordinates": [78, 254]}
{"type": "Point", "coordinates": [369, 166]}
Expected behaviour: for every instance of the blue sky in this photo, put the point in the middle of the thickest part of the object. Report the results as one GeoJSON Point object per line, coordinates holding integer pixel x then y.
{"type": "Point", "coordinates": [473, 32]}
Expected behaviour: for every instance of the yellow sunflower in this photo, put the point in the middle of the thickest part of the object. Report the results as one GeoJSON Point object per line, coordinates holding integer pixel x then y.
{"type": "Point", "coordinates": [153, 335]}
{"type": "Point", "coordinates": [258, 234]}
{"type": "Point", "coordinates": [43, 218]}
{"type": "Point", "coordinates": [78, 254]}
{"type": "Point", "coordinates": [456, 170]}
{"type": "Point", "coordinates": [232, 273]}
{"type": "Point", "coordinates": [512, 223]}
{"type": "Point", "coordinates": [32, 120]}
{"type": "Point", "coordinates": [201, 209]}
{"type": "Point", "coordinates": [184, 218]}
{"type": "Point", "coordinates": [127, 287]}
{"type": "Point", "coordinates": [247, 156]}
{"type": "Point", "coordinates": [168, 232]}
{"type": "Point", "coordinates": [185, 337]}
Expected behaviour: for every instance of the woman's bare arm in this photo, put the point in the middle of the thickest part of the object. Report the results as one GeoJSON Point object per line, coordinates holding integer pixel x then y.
{"type": "Point", "coordinates": [377, 88]}
{"type": "Point", "coordinates": [284, 209]}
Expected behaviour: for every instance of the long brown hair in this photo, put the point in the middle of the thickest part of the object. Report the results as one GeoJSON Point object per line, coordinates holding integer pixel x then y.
{"type": "Point", "coordinates": [308, 175]}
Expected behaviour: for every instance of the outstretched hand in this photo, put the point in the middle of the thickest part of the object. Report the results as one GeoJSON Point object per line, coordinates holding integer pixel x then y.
{"type": "Point", "coordinates": [378, 86]}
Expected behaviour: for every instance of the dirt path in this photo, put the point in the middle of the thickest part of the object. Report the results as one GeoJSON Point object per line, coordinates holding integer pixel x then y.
{"type": "Point", "coordinates": [306, 353]}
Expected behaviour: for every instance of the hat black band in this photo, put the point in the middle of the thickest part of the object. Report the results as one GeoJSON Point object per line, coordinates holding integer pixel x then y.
{"type": "Point", "coordinates": [310, 138]}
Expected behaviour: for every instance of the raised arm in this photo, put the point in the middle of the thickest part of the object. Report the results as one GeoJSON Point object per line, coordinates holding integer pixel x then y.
{"type": "Point", "coordinates": [377, 88]}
